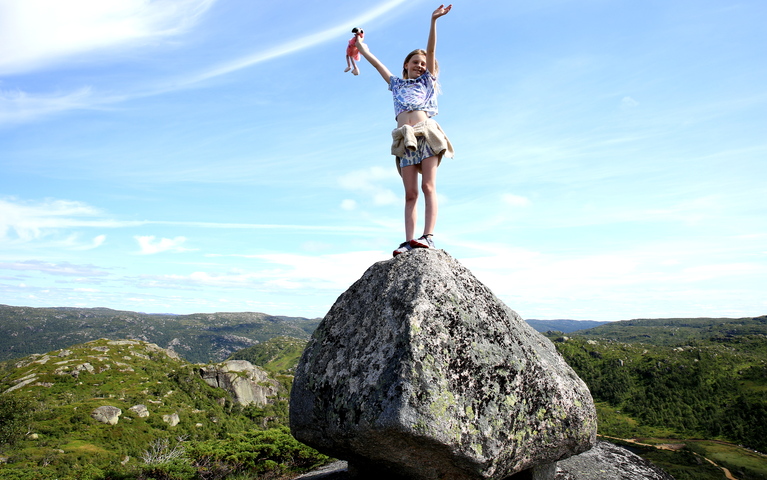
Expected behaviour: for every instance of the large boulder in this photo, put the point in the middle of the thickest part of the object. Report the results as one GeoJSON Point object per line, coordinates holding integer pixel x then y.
{"type": "Point", "coordinates": [419, 371]}
{"type": "Point", "coordinates": [107, 414]}
{"type": "Point", "coordinates": [247, 383]}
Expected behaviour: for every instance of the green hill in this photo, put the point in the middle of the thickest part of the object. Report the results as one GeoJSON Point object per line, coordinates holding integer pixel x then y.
{"type": "Point", "coordinates": [680, 331]}
{"type": "Point", "coordinates": [199, 337]}
{"type": "Point", "coordinates": [693, 383]}
{"type": "Point", "coordinates": [171, 420]}
{"type": "Point", "coordinates": [278, 355]}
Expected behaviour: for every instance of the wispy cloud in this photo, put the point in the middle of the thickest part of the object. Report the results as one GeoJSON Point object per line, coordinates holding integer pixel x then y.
{"type": "Point", "coordinates": [38, 33]}
{"type": "Point", "coordinates": [31, 220]}
{"type": "Point", "coordinates": [278, 272]}
{"type": "Point", "coordinates": [61, 268]}
{"type": "Point", "coordinates": [368, 183]}
{"type": "Point", "coordinates": [295, 45]}
{"type": "Point", "coordinates": [150, 245]}
{"type": "Point", "coordinates": [17, 106]}
{"type": "Point", "coordinates": [30, 41]}
{"type": "Point", "coordinates": [26, 221]}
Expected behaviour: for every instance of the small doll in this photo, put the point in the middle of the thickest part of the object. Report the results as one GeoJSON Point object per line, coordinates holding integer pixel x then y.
{"type": "Point", "coordinates": [352, 54]}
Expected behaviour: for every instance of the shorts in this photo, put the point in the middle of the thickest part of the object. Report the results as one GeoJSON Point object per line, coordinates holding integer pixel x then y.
{"type": "Point", "coordinates": [415, 157]}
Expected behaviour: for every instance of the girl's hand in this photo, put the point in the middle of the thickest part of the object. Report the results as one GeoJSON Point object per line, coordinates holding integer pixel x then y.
{"type": "Point", "coordinates": [441, 11]}
{"type": "Point", "coordinates": [361, 46]}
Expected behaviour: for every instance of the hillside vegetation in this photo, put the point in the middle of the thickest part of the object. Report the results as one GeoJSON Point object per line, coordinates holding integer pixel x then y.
{"type": "Point", "coordinates": [187, 427]}
{"type": "Point", "coordinates": [699, 385]}
{"type": "Point", "coordinates": [679, 379]}
{"type": "Point", "coordinates": [278, 355]}
{"type": "Point", "coordinates": [199, 337]}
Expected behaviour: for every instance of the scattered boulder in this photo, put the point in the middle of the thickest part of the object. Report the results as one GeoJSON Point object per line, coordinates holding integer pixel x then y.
{"type": "Point", "coordinates": [248, 384]}
{"type": "Point", "coordinates": [140, 410]}
{"type": "Point", "coordinates": [85, 367]}
{"type": "Point", "coordinates": [172, 419]}
{"type": "Point", "coordinates": [107, 414]}
{"type": "Point", "coordinates": [419, 371]}
{"type": "Point", "coordinates": [23, 382]}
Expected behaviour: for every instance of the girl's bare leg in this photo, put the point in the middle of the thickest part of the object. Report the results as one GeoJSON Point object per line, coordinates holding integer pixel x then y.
{"type": "Point", "coordinates": [429, 187]}
{"type": "Point", "coordinates": [348, 64]}
{"type": "Point", "coordinates": [410, 181]}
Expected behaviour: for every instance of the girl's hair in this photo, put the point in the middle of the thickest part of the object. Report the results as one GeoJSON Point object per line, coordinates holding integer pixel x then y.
{"type": "Point", "coordinates": [418, 51]}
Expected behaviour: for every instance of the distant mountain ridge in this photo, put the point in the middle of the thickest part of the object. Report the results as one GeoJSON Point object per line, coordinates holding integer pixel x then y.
{"type": "Point", "coordinates": [564, 326]}
{"type": "Point", "coordinates": [213, 337]}
{"type": "Point", "coordinates": [198, 338]}
{"type": "Point", "coordinates": [680, 331]}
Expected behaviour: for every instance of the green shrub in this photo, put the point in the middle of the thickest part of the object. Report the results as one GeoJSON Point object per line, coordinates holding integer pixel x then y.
{"type": "Point", "coordinates": [15, 414]}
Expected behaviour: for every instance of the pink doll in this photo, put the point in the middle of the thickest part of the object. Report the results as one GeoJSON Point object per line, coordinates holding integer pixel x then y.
{"type": "Point", "coordinates": [352, 54]}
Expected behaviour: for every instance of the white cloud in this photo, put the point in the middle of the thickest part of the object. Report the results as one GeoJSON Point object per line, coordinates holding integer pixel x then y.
{"type": "Point", "coordinates": [99, 240]}
{"type": "Point", "coordinates": [62, 268]}
{"type": "Point", "coordinates": [297, 44]}
{"type": "Point", "coordinates": [515, 200]}
{"type": "Point", "coordinates": [17, 106]}
{"type": "Point", "coordinates": [628, 102]}
{"type": "Point", "coordinates": [280, 272]}
{"type": "Point", "coordinates": [34, 33]}
{"type": "Point", "coordinates": [32, 220]}
{"type": "Point", "coordinates": [368, 182]}
{"type": "Point", "coordinates": [348, 205]}
{"type": "Point", "coordinates": [95, 243]}
{"type": "Point", "coordinates": [150, 245]}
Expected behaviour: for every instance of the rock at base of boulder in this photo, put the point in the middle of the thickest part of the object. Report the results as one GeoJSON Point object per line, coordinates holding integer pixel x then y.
{"type": "Point", "coordinates": [605, 461]}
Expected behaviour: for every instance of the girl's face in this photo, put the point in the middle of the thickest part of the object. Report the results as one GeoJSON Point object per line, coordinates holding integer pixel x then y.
{"type": "Point", "coordinates": [416, 66]}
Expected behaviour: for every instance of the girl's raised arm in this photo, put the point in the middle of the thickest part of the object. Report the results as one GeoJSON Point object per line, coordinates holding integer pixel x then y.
{"type": "Point", "coordinates": [431, 45]}
{"type": "Point", "coordinates": [365, 52]}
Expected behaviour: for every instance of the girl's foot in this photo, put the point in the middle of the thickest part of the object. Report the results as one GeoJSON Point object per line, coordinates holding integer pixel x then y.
{"type": "Point", "coordinates": [356, 71]}
{"type": "Point", "coordinates": [424, 242]}
{"type": "Point", "coordinates": [403, 247]}
{"type": "Point", "coordinates": [347, 69]}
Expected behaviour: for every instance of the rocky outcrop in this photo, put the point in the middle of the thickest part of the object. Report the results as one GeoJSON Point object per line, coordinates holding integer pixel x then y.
{"type": "Point", "coordinates": [419, 371]}
{"type": "Point", "coordinates": [248, 384]}
{"type": "Point", "coordinates": [107, 414]}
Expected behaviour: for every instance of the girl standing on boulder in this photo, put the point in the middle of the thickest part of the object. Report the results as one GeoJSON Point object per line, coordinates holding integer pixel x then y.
{"type": "Point", "coordinates": [418, 141]}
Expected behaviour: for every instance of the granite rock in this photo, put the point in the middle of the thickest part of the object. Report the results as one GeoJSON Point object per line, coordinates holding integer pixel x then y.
{"type": "Point", "coordinates": [247, 383]}
{"type": "Point", "coordinates": [107, 414]}
{"type": "Point", "coordinates": [419, 371]}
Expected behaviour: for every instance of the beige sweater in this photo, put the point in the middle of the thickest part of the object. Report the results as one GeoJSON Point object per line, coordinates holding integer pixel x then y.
{"type": "Point", "coordinates": [404, 137]}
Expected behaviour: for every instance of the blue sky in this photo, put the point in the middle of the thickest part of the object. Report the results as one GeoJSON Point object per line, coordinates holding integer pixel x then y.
{"type": "Point", "coordinates": [186, 156]}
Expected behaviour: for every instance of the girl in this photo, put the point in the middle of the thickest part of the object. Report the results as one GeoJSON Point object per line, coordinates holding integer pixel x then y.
{"type": "Point", "coordinates": [418, 141]}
